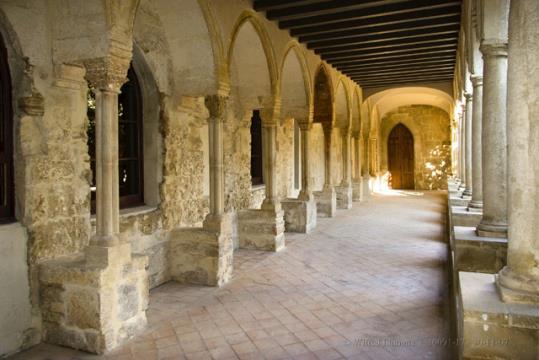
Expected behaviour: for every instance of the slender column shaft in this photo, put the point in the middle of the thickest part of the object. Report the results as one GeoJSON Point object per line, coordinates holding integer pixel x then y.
{"type": "Point", "coordinates": [268, 143]}
{"type": "Point", "coordinates": [519, 280]}
{"type": "Point", "coordinates": [216, 105]}
{"type": "Point", "coordinates": [305, 193]}
{"type": "Point", "coordinates": [107, 186]}
{"type": "Point", "coordinates": [357, 156]}
{"type": "Point", "coordinates": [468, 145]}
{"type": "Point", "coordinates": [328, 131]}
{"type": "Point", "coordinates": [462, 144]}
{"type": "Point", "coordinates": [345, 135]}
{"type": "Point", "coordinates": [477, 169]}
{"type": "Point", "coordinates": [494, 141]}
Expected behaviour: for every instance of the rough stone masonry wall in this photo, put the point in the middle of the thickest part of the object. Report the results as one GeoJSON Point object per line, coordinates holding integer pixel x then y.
{"type": "Point", "coordinates": [432, 143]}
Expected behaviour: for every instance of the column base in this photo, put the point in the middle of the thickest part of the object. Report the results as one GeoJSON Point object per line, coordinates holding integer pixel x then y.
{"type": "Point", "coordinates": [492, 329]}
{"type": "Point", "coordinates": [326, 202]}
{"type": "Point", "coordinates": [488, 230]}
{"type": "Point", "coordinates": [299, 215]}
{"type": "Point", "coordinates": [356, 191]}
{"type": "Point", "coordinates": [344, 196]}
{"type": "Point", "coordinates": [93, 307]}
{"type": "Point", "coordinates": [203, 256]}
{"type": "Point", "coordinates": [515, 288]}
{"type": "Point", "coordinates": [467, 193]}
{"type": "Point", "coordinates": [261, 229]}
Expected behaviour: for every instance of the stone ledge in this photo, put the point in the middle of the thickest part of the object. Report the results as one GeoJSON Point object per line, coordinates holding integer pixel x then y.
{"type": "Point", "coordinates": [463, 217]}
{"type": "Point", "coordinates": [299, 215]}
{"type": "Point", "coordinates": [478, 254]}
{"type": "Point", "coordinates": [455, 200]}
{"type": "Point", "coordinates": [494, 329]}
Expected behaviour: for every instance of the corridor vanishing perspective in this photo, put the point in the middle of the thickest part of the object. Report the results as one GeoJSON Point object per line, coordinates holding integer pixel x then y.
{"type": "Point", "coordinates": [369, 284]}
{"type": "Point", "coordinates": [222, 179]}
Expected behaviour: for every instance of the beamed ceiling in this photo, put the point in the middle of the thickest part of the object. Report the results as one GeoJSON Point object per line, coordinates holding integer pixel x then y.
{"type": "Point", "coordinates": [375, 42]}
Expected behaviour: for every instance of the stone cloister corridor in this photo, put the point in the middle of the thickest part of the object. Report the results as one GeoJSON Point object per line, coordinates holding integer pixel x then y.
{"type": "Point", "coordinates": [317, 179]}
{"type": "Point", "coordinates": [373, 273]}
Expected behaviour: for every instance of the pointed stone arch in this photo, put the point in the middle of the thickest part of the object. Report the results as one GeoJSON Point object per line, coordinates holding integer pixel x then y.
{"type": "Point", "coordinates": [248, 30]}
{"type": "Point", "coordinates": [295, 84]}
{"type": "Point", "coordinates": [342, 105]}
{"type": "Point", "coordinates": [323, 97]}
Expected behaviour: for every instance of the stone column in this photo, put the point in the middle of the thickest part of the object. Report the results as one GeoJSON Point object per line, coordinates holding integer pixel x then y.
{"type": "Point", "coordinates": [365, 173]}
{"type": "Point", "coordinates": [300, 214]}
{"type": "Point", "coordinates": [328, 132]}
{"type": "Point", "coordinates": [468, 146]}
{"type": "Point", "coordinates": [107, 76]}
{"type": "Point", "coordinates": [269, 140]}
{"type": "Point", "coordinates": [326, 200]}
{"type": "Point", "coordinates": [494, 142]}
{"type": "Point", "coordinates": [305, 193]}
{"type": "Point", "coordinates": [346, 178]}
{"type": "Point", "coordinates": [356, 180]}
{"type": "Point", "coordinates": [462, 150]}
{"type": "Point", "coordinates": [263, 229]}
{"type": "Point", "coordinates": [477, 171]}
{"type": "Point", "coordinates": [519, 280]}
{"type": "Point", "coordinates": [217, 107]}
{"type": "Point", "coordinates": [344, 190]}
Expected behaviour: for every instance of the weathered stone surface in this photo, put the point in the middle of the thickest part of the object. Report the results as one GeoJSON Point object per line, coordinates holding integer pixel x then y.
{"type": "Point", "coordinates": [299, 216]}
{"type": "Point", "coordinates": [344, 197]}
{"type": "Point", "coordinates": [492, 328]}
{"type": "Point", "coordinates": [82, 308]}
{"type": "Point", "coordinates": [478, 254]}
{"type": "Point", "coordinates": [326, 202]}
{"type": "Point", "coordinates": [261, 229]}
{"type": "Point", "coordinates": [199, 256]}
{"type": "Point", "coordinates": [87, 307]}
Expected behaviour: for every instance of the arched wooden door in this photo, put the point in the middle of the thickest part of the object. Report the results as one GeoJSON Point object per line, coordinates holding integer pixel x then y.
{"type": "Point", "coordinates": [400, 151]}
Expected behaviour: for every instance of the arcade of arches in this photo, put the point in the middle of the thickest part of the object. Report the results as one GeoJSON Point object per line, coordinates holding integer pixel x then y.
{"type": "Point", "coordinates": [215, 179]}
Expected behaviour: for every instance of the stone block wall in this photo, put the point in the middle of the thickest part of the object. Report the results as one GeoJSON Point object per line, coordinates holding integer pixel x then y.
{"type": "Point", "coordinates": [430, 127]}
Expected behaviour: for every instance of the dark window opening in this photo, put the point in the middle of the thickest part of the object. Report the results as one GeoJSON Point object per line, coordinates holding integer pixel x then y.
{"type": "Point", "coordinates": [7, 187]}
{"type": "Point", "coordinates": [130, 154]}
{"type": "Point", "coordinates": [257, 172]}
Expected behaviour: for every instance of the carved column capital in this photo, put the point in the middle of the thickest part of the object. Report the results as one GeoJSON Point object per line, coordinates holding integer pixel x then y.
{"type": "Point", "coordinates": [216, 105]}
{"type": "Point", "coordinates": [109, 73]}
{"type": "Point", "coordinates": [468, 96]}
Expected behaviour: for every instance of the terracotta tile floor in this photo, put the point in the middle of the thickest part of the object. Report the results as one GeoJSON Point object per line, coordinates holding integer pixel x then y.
{"type": "Point", "coordinates": [368, 284]}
